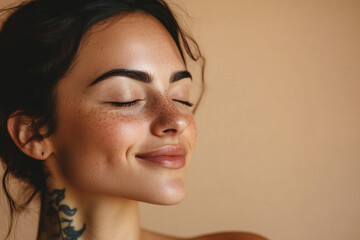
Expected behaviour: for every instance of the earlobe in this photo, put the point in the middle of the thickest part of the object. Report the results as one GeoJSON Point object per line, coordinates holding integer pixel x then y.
{"type": "Point", "coordinates": [25, 135]}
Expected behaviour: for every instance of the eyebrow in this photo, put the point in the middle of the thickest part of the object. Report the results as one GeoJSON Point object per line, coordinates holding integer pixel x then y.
{"type": "Point", "coordinates": [139, 75]}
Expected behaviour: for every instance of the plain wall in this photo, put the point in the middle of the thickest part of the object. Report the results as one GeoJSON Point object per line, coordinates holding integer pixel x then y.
{"type": "Point", "coordinates": [278, 149]}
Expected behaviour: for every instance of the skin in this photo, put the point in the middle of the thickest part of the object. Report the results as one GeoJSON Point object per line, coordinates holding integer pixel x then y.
{"type": "Point", "coordinates": [96, 181]}
{"type": "Point", "coordinates": [95, 144]}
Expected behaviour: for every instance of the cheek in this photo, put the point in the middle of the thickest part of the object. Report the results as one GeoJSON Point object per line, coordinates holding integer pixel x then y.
{"type": "Point", "coordinates": [190, 134]}
{"type": "Point", "coordinates": [193, 131]}
{"type": "Point", "coordinates": [92, 143]}
{"type": "Point", "coordinates": [98, 127]}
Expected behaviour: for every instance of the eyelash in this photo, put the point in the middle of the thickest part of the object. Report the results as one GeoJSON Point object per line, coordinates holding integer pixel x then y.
{"type": "Point", "coordinates": [129, 104]}
{"type": "Point", "coordinates": [184, 102]}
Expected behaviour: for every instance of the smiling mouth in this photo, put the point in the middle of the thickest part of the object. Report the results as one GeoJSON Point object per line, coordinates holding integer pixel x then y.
{"type": "Point", "coordinates": [168, 156]}
{"type": "Point", "coordinates": [166, 161]}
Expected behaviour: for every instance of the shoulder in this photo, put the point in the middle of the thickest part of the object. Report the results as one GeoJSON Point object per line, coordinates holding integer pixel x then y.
{"type": "Point", "coordinates": [230, 236]}
{"type": "Point", "coordinates": [150, 235]}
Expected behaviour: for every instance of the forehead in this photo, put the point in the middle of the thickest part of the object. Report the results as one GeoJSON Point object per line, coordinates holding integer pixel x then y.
{"type": "Point", "coordinates": [136, 40]}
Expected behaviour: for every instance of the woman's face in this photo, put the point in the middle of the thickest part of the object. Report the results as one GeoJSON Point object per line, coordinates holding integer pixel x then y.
{"type": "Point", "coordinates": [97, 139]}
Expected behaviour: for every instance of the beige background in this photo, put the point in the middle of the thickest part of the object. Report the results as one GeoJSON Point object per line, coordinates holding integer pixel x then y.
{"type": "Point", "coordinates": [278, 151]}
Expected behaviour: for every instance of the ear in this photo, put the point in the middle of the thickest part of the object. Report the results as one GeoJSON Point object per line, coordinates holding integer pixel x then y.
{"type": "Point", "coordinates": [22, 131]}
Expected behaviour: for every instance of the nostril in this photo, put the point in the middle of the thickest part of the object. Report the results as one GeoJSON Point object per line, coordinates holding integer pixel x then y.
{"type": "Point", "coordinates": [171, 129]}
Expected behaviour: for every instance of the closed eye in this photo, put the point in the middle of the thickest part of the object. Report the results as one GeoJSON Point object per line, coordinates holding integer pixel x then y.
{"type": "Point", "coordinates": [124, 104]}
{"type": "Point", "coordinates": [184, 102]}
{"type": "Point", "coordinates": [133, 103]}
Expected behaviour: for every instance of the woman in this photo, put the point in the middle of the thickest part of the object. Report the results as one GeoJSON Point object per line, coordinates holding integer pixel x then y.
{"type": "Point", "coordinates": [95, 114]}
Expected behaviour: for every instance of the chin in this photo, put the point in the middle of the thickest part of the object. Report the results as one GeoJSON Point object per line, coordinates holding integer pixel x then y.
{"type": "Point", "coordinates": [169, 195]}
{"type": "Point", "coordinates": [173, 199]}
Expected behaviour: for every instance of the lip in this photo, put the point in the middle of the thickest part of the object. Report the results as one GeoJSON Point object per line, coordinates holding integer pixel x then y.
{"type": "Point", "coordinates": [169, 156]}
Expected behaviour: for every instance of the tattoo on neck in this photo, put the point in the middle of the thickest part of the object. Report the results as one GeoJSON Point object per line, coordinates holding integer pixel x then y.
{"type": "Point", "coordinates": [54, 208]}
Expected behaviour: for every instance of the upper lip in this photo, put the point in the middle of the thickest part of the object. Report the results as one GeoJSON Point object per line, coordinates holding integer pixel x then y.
{"type": "Point", "coordinates": [168, 150]}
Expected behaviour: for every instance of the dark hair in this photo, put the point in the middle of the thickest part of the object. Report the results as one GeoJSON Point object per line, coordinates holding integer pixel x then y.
{"type": "Point", "coordinates": [38, 45]}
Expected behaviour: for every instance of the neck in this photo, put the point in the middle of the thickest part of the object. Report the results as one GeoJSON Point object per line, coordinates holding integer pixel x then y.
{"type": "Point", "coordinates": [68, 215]}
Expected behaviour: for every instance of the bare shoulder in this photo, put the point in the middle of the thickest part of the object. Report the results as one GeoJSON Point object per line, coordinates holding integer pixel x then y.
{"type": "Point", "coordinates": [150, 235]}
{"type": "Point", "coordinates": [230, 236]}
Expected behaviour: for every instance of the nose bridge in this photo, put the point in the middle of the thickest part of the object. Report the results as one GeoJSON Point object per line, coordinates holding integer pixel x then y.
{"type": "Point", "coordinates": [167, 117]}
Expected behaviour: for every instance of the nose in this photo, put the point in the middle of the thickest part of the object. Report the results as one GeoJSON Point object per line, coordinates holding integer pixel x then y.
{"type": "Point", "coordinates": [168, 120]}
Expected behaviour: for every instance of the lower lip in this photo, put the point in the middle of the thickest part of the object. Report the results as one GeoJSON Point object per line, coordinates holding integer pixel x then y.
{"type": "Point", "coordinates": [172, 162]}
